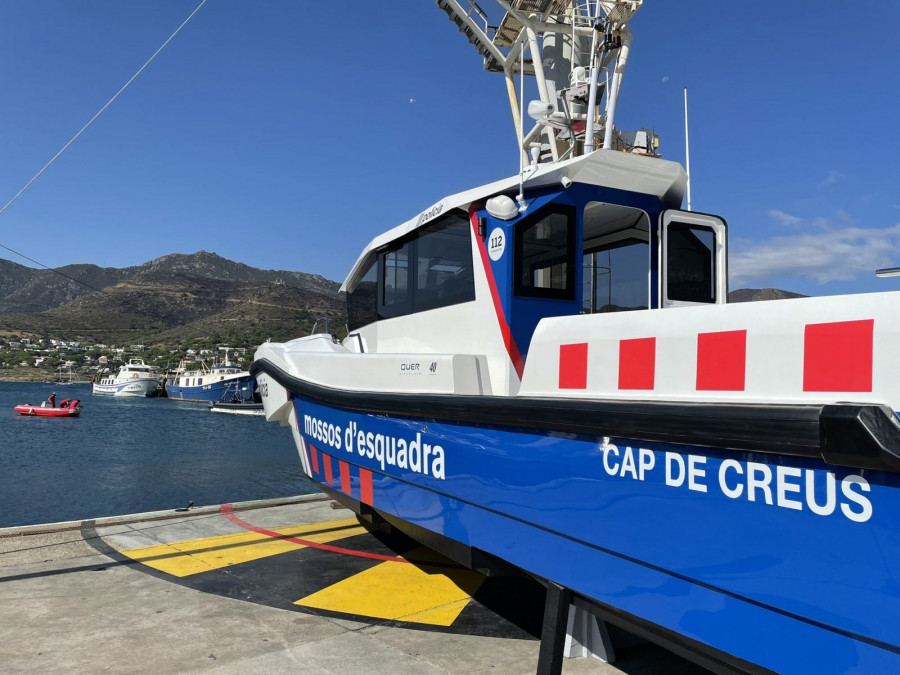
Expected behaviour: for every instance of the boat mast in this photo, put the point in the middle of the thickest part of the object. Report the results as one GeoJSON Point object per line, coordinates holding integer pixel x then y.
{"type": "Point", "coordinates": [226, 350]}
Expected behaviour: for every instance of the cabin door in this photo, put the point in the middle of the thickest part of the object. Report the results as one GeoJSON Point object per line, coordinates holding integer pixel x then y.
{"type": "Point", "coordinates": [693, 267]}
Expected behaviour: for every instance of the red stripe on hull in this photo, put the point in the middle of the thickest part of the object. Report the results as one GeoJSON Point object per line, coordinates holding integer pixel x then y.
{"type": "Point", "coordinates": [365, 487]}
{"type": "Point", "coordinates": [637, 363]}
{"type": "Point", "coordinates": [314, 456]}
{"type": "Point", "coordinates": [508, 340]}
{"type": "Point", "coordinates": [838, 356]}
{"type": "Point", "coordinates": [722, 361]}
{"type": "Point", "coordinates": [329, 477]}
{"type": "Point", "coordinates": [573, 366]}
{"type": "Point", "coordinates": [345, 476]}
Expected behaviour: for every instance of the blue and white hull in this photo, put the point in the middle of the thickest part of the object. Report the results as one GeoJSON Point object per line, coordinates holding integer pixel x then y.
{"type": "Point", "coordinates": [239, 387]}
{"type": "Point", "coordinates": [134, 379]}
{"type": "Point", "coordinates": [136, 388]}
{"type": "Point", "coordinates": [776, 560]}
{"type": "Point", "coordinates": [223, 382]}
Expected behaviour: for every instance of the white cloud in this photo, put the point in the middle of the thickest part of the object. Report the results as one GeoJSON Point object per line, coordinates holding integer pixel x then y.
{"type": "Point", "coordinates": [846, 217]}
{"type": "Point", "coordinates": [785, 218]}
{"type": "Point", "coordinates": [831, 254]}
{"type": "Point", "coordinates": [830, 179]}
{"type": "Point", "coordinates": [665, 78]}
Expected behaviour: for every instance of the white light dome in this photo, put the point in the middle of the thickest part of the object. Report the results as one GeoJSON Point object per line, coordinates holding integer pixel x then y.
{"type": "Point", "coordinates": [502, 207]}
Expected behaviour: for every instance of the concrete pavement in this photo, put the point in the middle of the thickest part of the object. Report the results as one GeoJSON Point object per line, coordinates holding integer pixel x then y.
{"type": "Point", "coordinates": [270, 587]}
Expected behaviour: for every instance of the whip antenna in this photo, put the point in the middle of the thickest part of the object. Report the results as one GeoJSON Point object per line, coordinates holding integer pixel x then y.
{"type": "Point", "coordinates": [687, 151]}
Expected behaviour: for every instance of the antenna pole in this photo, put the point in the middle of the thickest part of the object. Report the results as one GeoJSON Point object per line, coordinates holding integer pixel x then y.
{"type": "Point", "coordinates": [520, 198]}
{"type": "Point", "coordinates": [592, 95]}
{"type": "Point", "coordinates": [687, 151]}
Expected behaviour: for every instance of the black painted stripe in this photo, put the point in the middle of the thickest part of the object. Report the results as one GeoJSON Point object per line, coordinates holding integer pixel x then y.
{"type": "Point", "coordinates": [853, 435]}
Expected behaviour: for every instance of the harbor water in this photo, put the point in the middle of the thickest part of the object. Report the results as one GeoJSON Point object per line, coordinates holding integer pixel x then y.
{"type": "Point", "coordinates": [130, 455]}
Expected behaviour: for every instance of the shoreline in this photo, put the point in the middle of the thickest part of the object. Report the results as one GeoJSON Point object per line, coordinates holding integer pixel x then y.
{"type": "Point", "coordinates": [23, 375]}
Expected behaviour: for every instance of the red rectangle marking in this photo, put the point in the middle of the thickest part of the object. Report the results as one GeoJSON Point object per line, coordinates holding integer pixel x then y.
{"type": "Point", "coordinates": [365, 486]}
{"type": "Point", "coordinates": [326, 460]}
{"type": "Point", "coordinates": [722, 361]}
{"type": "Point", "coordinates": [637, 363]}
{"type": "Point", "coordinates": [345, 476]}
{"type": "Point", "coordinates": [838, 356]}
{"type": "Point", "coordinates": [573, 366]}
{"type": "Point", "coordinates": [314, 456]}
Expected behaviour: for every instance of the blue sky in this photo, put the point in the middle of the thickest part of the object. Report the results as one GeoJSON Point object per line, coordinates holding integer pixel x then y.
{"type": "Point", "coordinates": [278, 134]}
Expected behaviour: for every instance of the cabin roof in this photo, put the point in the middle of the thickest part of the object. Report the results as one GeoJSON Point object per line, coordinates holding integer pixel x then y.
{"type": "Point", "coordinates": [609, 168]}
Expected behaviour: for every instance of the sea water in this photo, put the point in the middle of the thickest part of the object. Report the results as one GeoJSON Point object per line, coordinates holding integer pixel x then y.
{"type": "Point", "coordinates": [130, 455]}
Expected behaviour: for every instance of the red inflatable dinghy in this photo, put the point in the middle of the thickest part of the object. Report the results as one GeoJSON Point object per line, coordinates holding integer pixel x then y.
{"type": "Point", "coordinates": [70, 410]}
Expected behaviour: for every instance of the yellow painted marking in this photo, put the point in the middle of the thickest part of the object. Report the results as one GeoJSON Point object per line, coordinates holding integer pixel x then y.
{"type": "Point", "coordinates": [185, 558]}
{"type": "Point", "coordinates": [418, 592]}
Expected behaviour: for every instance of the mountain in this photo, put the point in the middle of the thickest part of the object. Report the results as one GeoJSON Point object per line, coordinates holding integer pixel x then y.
{"type": "Point", "coordinates": [213, 266]}
{"type": "Point", "coordinates": [756, 294]}
{"type": "Point", "coordinates": [167, 299]}
{"type": "Point", "coordinates": [23, 289]}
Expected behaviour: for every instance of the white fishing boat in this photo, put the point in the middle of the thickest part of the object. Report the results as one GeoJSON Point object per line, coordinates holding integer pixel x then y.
{"type": "Point", "coordinates": [134, 378]}
{"type": "Point", "coordinates": [545, 371]}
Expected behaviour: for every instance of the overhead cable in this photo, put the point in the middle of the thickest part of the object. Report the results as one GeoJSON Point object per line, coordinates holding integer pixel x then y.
{"type": "Point", "coordinates": [100, 112]}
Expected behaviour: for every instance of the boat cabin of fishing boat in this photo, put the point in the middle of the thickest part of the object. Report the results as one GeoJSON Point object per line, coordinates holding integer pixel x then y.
{"type": "Point", "coordinates": [545, 371]}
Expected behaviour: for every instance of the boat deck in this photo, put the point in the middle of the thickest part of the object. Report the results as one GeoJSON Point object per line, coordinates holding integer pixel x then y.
{"type": "Point", "coordinates": [264, 587]}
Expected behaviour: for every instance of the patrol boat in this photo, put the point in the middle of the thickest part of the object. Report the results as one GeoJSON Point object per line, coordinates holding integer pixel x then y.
{"type": "Point", "coordinates": [544, 371]}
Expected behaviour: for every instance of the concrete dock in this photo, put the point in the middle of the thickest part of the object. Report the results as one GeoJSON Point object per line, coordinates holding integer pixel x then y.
{"type": "Point", "coordinates": [264, 587]}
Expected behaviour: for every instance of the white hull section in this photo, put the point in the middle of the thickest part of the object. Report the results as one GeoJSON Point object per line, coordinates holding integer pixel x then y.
{"type": "Point", "coordinates": [800, 351]}
{"type": "Point", "coordinates": [134, 388]}
{"type": "Point", "coordinates": [236, 411]}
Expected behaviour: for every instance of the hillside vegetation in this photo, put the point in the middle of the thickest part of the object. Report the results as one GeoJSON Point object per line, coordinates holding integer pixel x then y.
{"type": "Point", "coordinates": [167, 305]}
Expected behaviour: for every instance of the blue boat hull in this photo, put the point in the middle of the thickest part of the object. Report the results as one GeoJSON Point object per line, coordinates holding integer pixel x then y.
{"type": "Point", "coordinates": [216, 391]}
{"type": "Point", "coordinates": [788, 563]}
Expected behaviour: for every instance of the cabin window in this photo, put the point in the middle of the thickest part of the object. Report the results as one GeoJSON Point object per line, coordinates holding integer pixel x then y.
{"type": "Point", "coordinates": [444, 274]}
{"type": "Point", "coordinates": [690, 263]}
{"type": "Point", "coordinates": [395, 288]}
{"type": "Point", "coordinates": [431, 269]}
{"type": "Point", "coordinates": [361, 302]}
{"type": "Point", "coordinates": [545, 255]}
{"type": "Point", "coordinates": [616, 258]}
{"type": "Point", "coordinates": [616, 277]}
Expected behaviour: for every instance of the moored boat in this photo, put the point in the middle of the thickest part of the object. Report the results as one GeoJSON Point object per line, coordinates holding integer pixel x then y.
{"type": "Point", "coordinates": [66, 409]}
{"type": "Point", "coordinates": [67, 375]}
{"type": "Point", "coordinates": [237, 408]}
{"type": "Point", "coordinates": [134, 378]}
{"type": "Point", "coordinates": [544, 370]}
{"type": "Point", "coordinates": [195, 381]}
